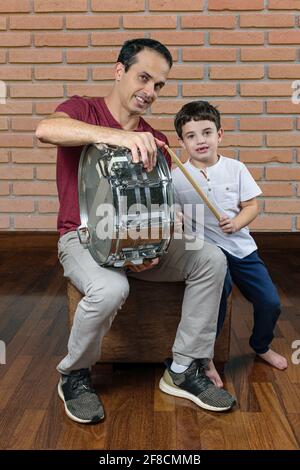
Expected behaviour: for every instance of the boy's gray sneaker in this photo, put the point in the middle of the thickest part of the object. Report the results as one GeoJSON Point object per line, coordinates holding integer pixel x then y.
{"type": "Point", "coordinates": [81, 401]}
{"type": "Point", "coordinates": [194, 385]}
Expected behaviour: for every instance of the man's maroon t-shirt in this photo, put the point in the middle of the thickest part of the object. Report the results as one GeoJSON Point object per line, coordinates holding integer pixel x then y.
{"type": "Point", "coordinates": [92, 111]}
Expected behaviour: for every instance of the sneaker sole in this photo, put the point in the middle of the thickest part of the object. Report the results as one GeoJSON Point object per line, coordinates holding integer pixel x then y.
{"type": "Point", "coordinates": [69, 414]}
{"type": "Point", "coordinates": [178, 392]}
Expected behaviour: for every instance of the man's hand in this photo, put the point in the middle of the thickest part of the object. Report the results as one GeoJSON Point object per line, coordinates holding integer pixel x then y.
{"type": "Point", "coordinates": [148, 264]}
{"type": "Point", "coordinates": [143, 146]}
{"type": "Point", "coordinates": [228, 225]}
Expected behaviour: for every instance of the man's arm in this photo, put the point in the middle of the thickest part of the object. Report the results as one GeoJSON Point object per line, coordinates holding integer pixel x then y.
{"type": "Point", "coordinates": [60, 129]}
{"type": "Point", "coordinates": [248, 213]}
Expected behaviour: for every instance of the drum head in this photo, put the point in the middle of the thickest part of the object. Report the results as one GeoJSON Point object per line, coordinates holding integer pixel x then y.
{"type": "Point", "coordinates": [95, 200]}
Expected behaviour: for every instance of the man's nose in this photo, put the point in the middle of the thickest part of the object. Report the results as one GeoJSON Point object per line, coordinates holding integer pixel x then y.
{"type": "Point", "coordinates": [149, 89]}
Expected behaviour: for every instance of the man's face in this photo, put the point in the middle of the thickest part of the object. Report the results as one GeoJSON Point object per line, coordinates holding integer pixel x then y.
{"type": "Point", "coordinates": [140, 85]}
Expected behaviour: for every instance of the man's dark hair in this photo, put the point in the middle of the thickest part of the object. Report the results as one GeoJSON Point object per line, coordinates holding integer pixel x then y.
{"type": "Point", "coordinates": [196, 111]}
{"type": "Point", "coordinates": [132, 47]}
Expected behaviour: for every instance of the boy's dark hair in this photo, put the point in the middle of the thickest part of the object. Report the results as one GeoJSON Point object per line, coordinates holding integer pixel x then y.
{"type": "Point", "coordinates": [132, 47]}
{"type": "Point", "coordinates": [196, 111]}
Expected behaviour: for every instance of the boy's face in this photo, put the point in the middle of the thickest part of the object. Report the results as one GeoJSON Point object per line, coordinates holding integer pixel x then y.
{"type": "Point", "coordinates": [201, 140]}
{"type": "Point", "coordinates": [140, 86]}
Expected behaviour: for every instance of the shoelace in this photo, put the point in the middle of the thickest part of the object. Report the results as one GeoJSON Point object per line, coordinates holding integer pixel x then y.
{"type": "Point", "coordinates": [83, 381]}
{"type": "Point", "coordinates": [200, 377]}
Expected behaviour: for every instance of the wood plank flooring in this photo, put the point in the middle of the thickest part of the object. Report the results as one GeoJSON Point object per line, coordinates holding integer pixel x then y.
{"type": "Point", "coordinates": [33, 324]}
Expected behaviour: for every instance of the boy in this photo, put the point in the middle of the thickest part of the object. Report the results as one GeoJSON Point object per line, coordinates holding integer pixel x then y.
{"type": "Point", "coordinates": [233, 191]}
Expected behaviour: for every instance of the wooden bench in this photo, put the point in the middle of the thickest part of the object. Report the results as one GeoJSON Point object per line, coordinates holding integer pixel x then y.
{"type": "Point", "coordinates": [144, 329]}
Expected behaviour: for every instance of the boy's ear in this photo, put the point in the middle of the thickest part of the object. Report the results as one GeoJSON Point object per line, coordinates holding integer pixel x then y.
{"type": "Point", "coordinates": [220, 134]}
{"type": "Point", "coordinates": [181, 142]}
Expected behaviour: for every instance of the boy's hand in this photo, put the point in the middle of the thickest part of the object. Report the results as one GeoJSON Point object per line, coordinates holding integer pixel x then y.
{"type": "Point", "coordinates": [228, 225]}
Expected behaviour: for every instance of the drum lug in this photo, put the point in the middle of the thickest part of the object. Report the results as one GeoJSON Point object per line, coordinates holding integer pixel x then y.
{"type": "Point", "coordinates": [83, 234]}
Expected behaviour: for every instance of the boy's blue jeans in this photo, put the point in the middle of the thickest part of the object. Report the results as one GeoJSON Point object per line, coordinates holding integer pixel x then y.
{"type": "Point", "coordinates": [251, 276]}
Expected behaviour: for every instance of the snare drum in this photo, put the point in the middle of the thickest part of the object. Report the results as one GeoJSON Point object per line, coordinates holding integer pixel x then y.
{"type": "Point", "coordinates": [126, 213]}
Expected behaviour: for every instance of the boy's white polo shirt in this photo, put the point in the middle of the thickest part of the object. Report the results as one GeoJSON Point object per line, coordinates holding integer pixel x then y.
{"type": "Point", "coordinates": [226, 184]}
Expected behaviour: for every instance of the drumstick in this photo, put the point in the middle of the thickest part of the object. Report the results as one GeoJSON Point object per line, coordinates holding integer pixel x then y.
{"type": "Point", "coordinates": [193, 182]}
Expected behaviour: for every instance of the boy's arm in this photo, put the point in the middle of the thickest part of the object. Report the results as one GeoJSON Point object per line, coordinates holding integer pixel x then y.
{"type": "Point", "coordinates": [248, 213]}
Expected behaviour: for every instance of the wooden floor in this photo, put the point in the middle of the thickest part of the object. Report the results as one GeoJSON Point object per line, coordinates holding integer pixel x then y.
{"type": "Point", "coordinates": [33, 323]}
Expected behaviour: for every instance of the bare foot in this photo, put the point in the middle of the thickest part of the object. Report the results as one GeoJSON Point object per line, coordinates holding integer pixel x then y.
{"type": "Point", "coordinates": [213, 375]}
{"type": "Point", "coordinates": [274, 359]}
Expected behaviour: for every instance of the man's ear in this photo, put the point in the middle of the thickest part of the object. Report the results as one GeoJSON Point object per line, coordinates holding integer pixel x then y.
{"type": "Point", "coordinates": [220, 134]}
{"type": "Point", "coordinates": [119, 71]}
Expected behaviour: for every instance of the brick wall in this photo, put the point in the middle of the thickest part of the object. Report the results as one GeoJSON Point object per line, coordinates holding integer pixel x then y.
{"type": "Point", "coordinates": [241, 55]}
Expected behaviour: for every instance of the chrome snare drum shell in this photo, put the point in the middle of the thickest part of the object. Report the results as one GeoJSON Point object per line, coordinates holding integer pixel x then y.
{"type": "Point", "coordinates": [126, 213]}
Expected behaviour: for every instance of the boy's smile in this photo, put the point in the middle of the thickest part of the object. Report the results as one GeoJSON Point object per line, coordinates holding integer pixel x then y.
{"type": "Point", "coordinates": [201, 140]}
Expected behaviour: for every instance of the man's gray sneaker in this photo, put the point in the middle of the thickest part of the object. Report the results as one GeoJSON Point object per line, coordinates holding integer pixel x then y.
{"type": "Point", "coordinates": [81, 401]}
{"type": "Point", "coordinates": [194, 385]}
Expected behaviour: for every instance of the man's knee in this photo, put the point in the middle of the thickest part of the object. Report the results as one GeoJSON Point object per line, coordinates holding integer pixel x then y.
{"type": "Point", "coordinates": [109, 297]}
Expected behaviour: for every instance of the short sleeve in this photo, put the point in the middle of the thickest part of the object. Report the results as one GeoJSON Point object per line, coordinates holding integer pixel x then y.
{"type": "Point", "coordinates": [248, 186]}
{"type": "Point", "coordinates": [76, 107]}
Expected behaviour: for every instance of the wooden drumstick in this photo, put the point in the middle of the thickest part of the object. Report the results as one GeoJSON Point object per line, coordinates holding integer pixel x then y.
{"type": "Point", "coordinates": [193, 182]}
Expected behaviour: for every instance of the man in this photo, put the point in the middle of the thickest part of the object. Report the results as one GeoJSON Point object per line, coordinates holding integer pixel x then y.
{"type": "Point", "coordinates": [140, 73]}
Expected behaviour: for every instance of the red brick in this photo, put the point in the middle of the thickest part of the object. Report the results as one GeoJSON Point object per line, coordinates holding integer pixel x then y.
{"type": "Point", "coordinates": [12, 39]}
{"type": "Point", "coordinates": [118, 5]}
{"type": "Point", "coordinates": [24, 123]}
{"type": "Point", "coordinates": [36, 188]}
{"type": "Point", "coordinates": [36, 22]}
{"type": "Point", "coordinates": [15, 6]}
{"type": "Point", "coordinates": [235, 5]}
{"type": "Point", "coordinates": [276, 189]}
{"type": "Point", "coordinates": [4, 156]}
{"type": "Point", "coordinates": [34, 156]}
{"type": "Point", "coordinates": [4, 188]}
{"type": "Point", "coordinates": [178, 37]}
{"type": "Point", "coordinates": [236, 37]}
{"type": "Point", "coordinates": [46, 172]}
{"type": "Point", "coordinates": [261, 20]}
{"type": "Point", "coordinates": [3, 23]}
{"type": "Point", "coordinates": [16, 173]}
{"type": "Point", "coordinates": [59, 5]}
{"type": "Point", "coordinates": [208, 21]}
{"type": "Point", "coordinates": [283, 173]}
{"type": "Point", "coordinates": [284, 37]}
{"type": "Point", "coordinates": [113, 39]}
{"type": "Point", "coordinates": [284, 5]}
{"type": "Point", "coordinates": [268, 54]}
{"type": "Point", "coordinates": [288, 71]}
{"type": "Point", "coordinates": [61, 39]}
{"type": "Point", "coordinates": [35, 55]}
{"type": "Point", "coordinates": [186, 71]}
{"type": "Point", "coordinates": [208, 89]}
{"type": "Point", "coordinates": [36, 91]}
{"type": "Point", "coordinates": [16, 140]}
{"type": "Point", "coordinates": [256, 172]}
{"type": "Point", "coordinates": [48, 206]}
{"type": "Point", "coordinates": [242, 140]}
{"type": "Point", "coordinates": [266, 123]}
{"type": "Point", "coordinates": [238, 72]}
{"type": "Point", "coordinates": [176, 5]}
{"type": "Point", "coordinates": [103, 73]}
{"type": "Point", "coordinates": [16, 107]}
{"type": "Point", "coordinates": [16, 205]}
{"type": "Point", "coordinates": [4, 222]}
{"type": "Point", "coordinates": [93, 22]}
{"type": "Point", "coordinates": [207, 54]}
{"type": "Point", "coordinates": [282, 107]}
{"type": "Point", "coordinates": [272, 223]}
{"type": "Point", "coordinates": [46, 107]}
{"type": "Point", "coordinates": [2, 56]}
{"type": "Point", "coordinates": [35, 222]}
{"type": "Point", "coordinates": [266, 89]}
{"type": "Point", "coordinates": [3, 124]}
{"type": "Point", "coordinates": [290, 206]}
{"type": "Point", "coordinates": [61, 73]}
{"type": "Point", "coordinates": [15, 73]}
{"type": "Point", "coordinates": [225, 107]}
{"type": "Point", "coordinates": [88, 90]}
{"type": "Point", "coordinates": [298, 223]}
{"type": "Point", "coordinates": [266, 155]}
{"type": "Point", "coordinates": [149, 21]}
{"type": "Point", "coordinates": [283, 139]}
{"type": "Point", "coordinates": [92, 56]}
